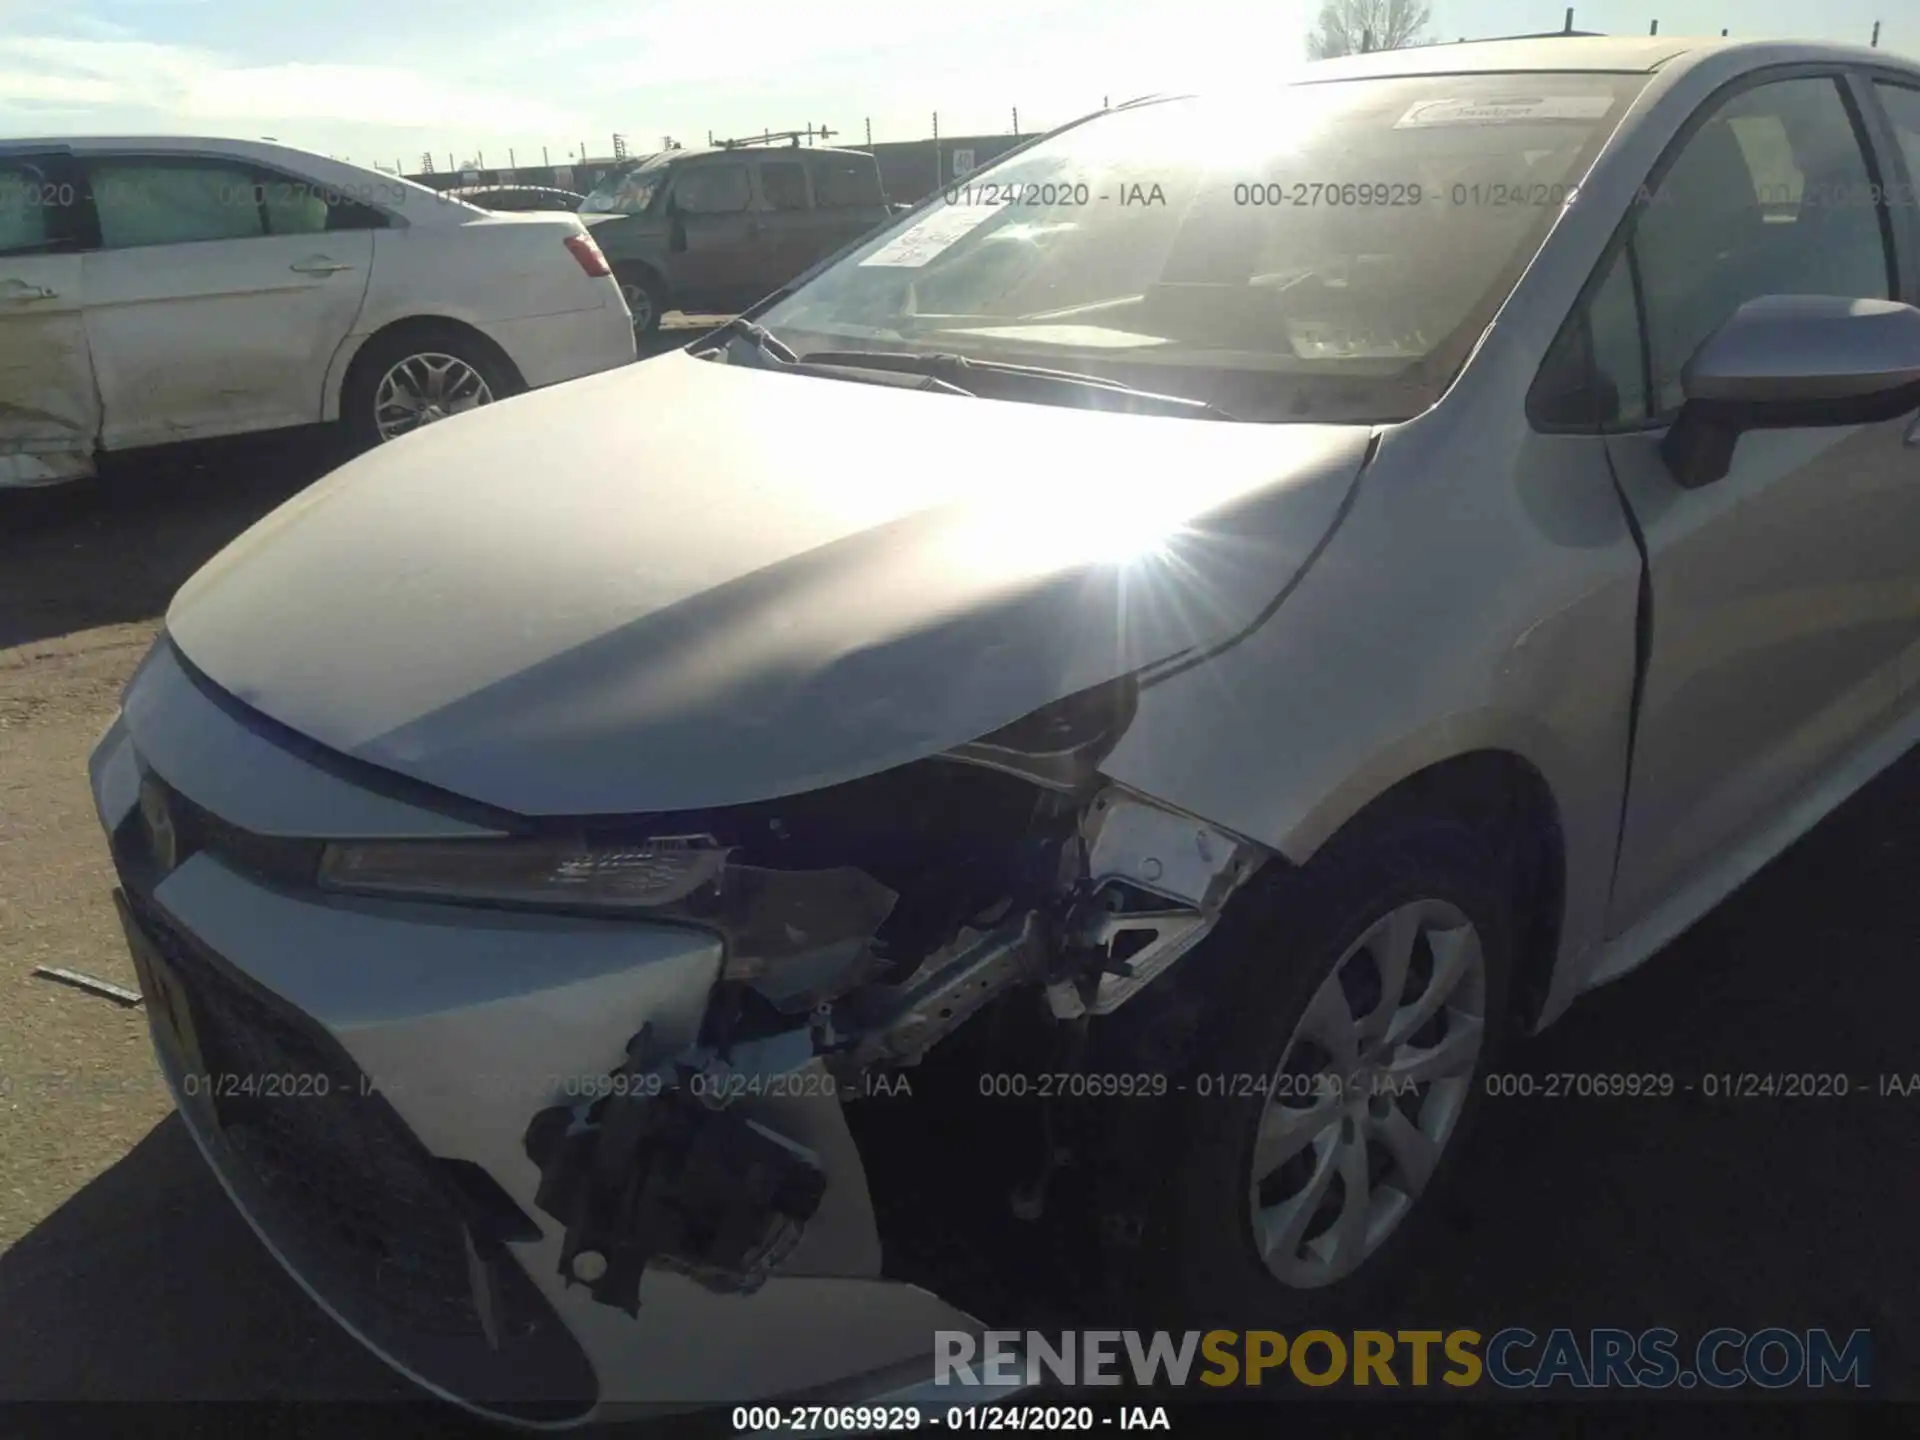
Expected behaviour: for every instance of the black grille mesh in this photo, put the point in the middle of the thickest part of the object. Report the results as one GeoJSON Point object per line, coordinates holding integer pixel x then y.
{"type": "Point", "coordinates": [356, 1203]}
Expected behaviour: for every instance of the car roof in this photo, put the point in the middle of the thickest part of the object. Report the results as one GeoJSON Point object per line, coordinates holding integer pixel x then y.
{"type": "Point", "coordinates": [1554, 52]}
{"type": "Point", "coordinates": [315, 166]}
{"type": "Point", "coordinates": [267, 150]}
{"type": "Point", "coordinates": [320, 169]}
{"type": "Point", "coordinates": [1636, 54]}
{"type": "Point", "coordinates": [702, 152]}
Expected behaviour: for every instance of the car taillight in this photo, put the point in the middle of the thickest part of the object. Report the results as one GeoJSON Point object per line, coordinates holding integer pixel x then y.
{"type": "Point", "coordinates": [588, 254]}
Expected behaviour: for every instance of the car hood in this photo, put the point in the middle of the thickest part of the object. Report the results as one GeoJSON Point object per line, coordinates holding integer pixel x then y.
{"type": "Point", "coordinates": [685, 583]}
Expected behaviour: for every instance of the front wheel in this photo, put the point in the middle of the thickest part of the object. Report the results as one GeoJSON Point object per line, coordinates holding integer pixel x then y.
{"type": "Point", "coordinates": [1348, 1015]}
{"type": "Point", "coordinates": [418, 377]}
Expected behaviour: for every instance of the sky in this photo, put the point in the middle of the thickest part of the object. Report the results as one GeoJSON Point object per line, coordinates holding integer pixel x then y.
{"type": "Point", "coordinates": [379, 82]}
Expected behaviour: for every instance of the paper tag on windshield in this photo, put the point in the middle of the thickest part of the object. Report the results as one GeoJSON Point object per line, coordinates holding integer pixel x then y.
{"type": "Point", "coordinates": [931, 234]}
{"type": "Point", "coordinates": [1519, 110]}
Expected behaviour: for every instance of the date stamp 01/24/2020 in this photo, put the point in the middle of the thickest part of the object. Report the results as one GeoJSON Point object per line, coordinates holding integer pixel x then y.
{"type": "Point", "coordinates": [880, 1419]}
{"type": "Point", "coordinates": [1287, 1087]}
{"type": "Point", "coordinates": [720, 1088]}
{"type": "Point", "coordinates": [712, 1087]}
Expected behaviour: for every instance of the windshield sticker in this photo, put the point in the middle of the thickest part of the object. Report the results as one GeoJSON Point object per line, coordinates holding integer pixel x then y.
{"type": "Point", "coordinates": [1313, 340]}
{"type": "Point", "coordinates": [933, 233]}
{"type": "Point", "coordinates": [1516, 110]}
{"type": "Point", "coordinates": [1085, 337]}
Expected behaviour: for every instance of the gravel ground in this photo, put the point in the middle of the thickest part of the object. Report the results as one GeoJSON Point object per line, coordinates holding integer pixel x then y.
{"type": "Point", "coordinates": [124, 1273]}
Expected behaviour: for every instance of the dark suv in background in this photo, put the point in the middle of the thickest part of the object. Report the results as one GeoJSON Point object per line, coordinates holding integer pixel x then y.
{"type": "Point", "coordinates": [714, 230]}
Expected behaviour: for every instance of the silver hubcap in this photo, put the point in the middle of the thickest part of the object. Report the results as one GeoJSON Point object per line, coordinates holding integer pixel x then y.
{"type": "Point", "coordinates": [424, 388]}
{"type": "Point", "coordinates": [1368, 1093]}
{"type": "Point", "coordinates": [639, 302]}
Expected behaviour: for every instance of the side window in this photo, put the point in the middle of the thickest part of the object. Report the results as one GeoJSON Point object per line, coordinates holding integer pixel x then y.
{"type": "Point", "coordinates": [784, 183]}
{"type": "Point", "coordinates": [292, 207]}
{"type": "Point", "coordinates": [305, 207]}
{"type": "Point", "coordinates": [1771, 196]}
{"type": "Point", "coordinates": [1619, 358]}
{"type": "Point", "coordinates": [1902, 103]}
{"type": "Point", "coordinates": [846, 184]}
{"type": "Point", "coordinates": [174, 202]}
{"type": "Point", "coordinates": [39, 207]}
{"type": "Point", "coordinates": [1595, 374]}
{"type": "Point", "coordinates": [712, 189]}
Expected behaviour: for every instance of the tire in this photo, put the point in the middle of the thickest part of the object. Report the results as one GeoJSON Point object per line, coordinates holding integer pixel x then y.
{"type": "Point", "coordinates": [645, 297]}
{"type": "Point", "coordinates": [1178, 1230]}
{"type": "Point", "coordinates": [429, 346]}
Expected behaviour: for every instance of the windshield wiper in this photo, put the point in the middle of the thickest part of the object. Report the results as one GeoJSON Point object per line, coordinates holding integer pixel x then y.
{"type": "Point", "coordinates": [782, 355]}
{"type": "Point", "coordinates": [763, 339]}
{"type": "Point", "coordinates": [955, 369]}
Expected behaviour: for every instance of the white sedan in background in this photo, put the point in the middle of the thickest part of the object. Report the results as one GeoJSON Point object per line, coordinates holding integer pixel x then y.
{"type": "Point", "coordinates": [162, 289]}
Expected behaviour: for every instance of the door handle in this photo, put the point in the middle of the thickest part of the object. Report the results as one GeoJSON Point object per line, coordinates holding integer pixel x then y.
{"type": "Point", "coordinates": [319, 265]}
{"type": "Point", "coordinates": [21, 290]}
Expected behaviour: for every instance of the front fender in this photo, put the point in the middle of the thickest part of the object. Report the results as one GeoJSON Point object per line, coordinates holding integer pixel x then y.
{"type": "Point", "coordinates": [1461, 606]}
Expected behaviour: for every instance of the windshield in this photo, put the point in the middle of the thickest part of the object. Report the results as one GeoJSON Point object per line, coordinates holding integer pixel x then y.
{"type": "Point", "coordinates": [627, 192]}
{"type": "Point", "coordinates": [1331, 254]}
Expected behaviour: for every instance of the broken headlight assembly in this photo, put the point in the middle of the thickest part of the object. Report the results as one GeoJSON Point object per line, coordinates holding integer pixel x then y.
{"type": "Point", "coordinates": [794, 933]}
{"type": "Point", "coordinates": [862, 924]}
{"type": "Point", "coordinates": [799, 888]}
{"type": "Point", "coordinates": [545, 873]}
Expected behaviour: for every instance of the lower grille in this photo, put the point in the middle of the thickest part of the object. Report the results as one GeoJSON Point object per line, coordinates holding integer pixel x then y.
{"type": "Point", "coordinates": [355, 1203]}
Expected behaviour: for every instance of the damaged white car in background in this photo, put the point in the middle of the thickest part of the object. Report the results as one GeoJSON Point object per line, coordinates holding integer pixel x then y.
{"type": "Point", "coordinates": [1178, 681]}
{"type": "Point", "coordinates": [160, 289]}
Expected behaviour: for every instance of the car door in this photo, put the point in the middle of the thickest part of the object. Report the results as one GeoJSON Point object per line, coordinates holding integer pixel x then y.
{"type": "Point", "coordinates": [1785, 597]}
{"type": "Point", "coordinates": [714, 246]}
{"type": "Point", "coordinates": [795, 231]}
{"type": "Point", "coordinates": [851, 200]}
{"type": "Point", "coordinates": [217, 294]}
{"type": "Point", "coordinates": [49, 413]}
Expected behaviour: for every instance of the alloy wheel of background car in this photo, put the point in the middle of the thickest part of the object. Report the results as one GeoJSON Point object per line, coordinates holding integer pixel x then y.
{"type": "Point", "coordinates": [1368, 1093]}
{"type": "Point", "coordinates": [403, 379]}
{"type": "Point", "coordinates": [425, 388]}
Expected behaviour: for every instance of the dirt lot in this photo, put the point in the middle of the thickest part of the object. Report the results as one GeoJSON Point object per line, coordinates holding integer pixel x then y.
{"type": "Point", "coordinates": [123, 1272]}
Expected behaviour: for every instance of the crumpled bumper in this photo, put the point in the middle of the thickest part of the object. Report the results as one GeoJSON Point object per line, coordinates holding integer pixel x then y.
{"type": "Point", "coordinates": [361, 1075]}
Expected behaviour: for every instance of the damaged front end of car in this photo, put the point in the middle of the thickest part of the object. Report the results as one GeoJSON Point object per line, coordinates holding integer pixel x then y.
{"type": "Point", "coordinates": [863, 925]}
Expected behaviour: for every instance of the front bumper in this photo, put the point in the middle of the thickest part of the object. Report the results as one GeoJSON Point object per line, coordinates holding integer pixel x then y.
{"type": "Point", "coordinates": [397, 1050]}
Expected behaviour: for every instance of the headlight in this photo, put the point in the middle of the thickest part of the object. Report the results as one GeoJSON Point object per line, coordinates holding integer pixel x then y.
{"type": "Point", "coordinates": [659, 872]}
{"type": "Point", "coordinates": [799, 935]}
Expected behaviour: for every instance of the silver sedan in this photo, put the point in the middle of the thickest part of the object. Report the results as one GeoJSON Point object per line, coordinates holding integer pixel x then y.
{"type": "Point", "coordinates": [1209, 627]}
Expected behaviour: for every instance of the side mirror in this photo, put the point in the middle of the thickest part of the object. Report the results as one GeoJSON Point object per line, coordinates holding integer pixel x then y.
{"type": "Point", "coordinates": [1792, 362]}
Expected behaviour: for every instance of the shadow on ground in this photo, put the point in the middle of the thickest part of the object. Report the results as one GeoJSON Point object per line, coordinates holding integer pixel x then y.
{"type": "Point", "coordinates": [113, 549]}
{"type": "Point", "coordinates": [148, 1285]}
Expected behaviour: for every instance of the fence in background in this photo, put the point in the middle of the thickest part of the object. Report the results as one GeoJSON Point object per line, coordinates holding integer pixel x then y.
{"type": "Point", "coordinates": [909, 169]}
